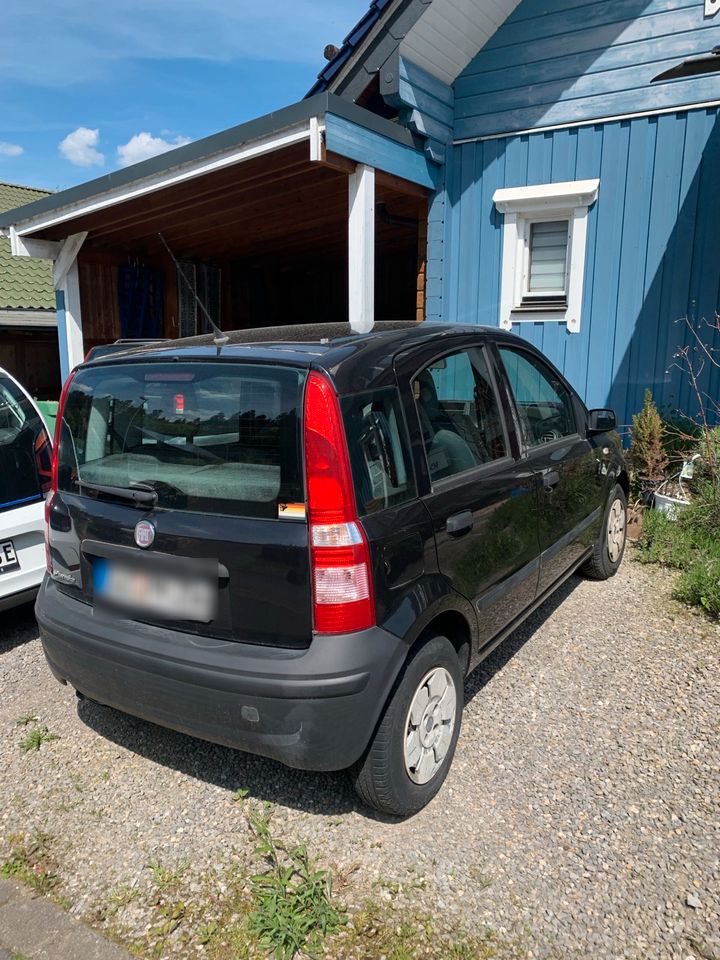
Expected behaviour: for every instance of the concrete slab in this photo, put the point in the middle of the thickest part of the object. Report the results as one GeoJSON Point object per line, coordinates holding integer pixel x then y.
{"type": "Point", "coordinates": [37, 929]}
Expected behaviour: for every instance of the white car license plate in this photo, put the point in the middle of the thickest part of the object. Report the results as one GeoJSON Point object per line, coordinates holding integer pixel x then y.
{"type": "Point", "coordinates": [167, 596]}
{"type": "Point", "coordinates": [8, 557]}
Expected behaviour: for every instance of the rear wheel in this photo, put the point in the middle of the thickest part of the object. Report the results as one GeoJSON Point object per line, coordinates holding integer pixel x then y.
{"type": "Point", "coordinates": [412, 749]}
{"type": "Point", "coordinates": [610, 547]}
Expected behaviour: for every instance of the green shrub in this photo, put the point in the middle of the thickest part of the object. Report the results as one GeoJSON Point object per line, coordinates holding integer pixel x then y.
{"type": "Point", "coordinates": [647, 452]}
{"type": "Point", "coordinates": [691, 544]}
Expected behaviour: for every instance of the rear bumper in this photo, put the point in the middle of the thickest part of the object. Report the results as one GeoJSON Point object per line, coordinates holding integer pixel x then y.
{"type": "Point", "coordinates": [313, 709]}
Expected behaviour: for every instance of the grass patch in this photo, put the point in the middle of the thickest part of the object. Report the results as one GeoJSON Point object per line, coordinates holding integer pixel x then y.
{"type": "Point", "coordinates": [37, 733]}
{"type": "Point", "coordinates": [690, 544]}
{"type": "Point", "coordinates": [31, 862]}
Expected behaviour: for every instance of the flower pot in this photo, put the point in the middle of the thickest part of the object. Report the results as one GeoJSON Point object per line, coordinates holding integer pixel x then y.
{"type": "Point", "coordinates": [670, 506]}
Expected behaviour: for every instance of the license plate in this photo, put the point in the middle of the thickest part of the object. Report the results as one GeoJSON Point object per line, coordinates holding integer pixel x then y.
{"type": "Point", "coordinates": [8, 557]}
{"type": "Point", "coordinates": [161, 594]}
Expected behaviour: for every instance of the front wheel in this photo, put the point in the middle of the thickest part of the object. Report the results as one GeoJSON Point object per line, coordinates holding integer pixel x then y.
{"type": "Point", "coordinates": [412, 749]}
{"type": "Point", "coordinates": [610, 547]}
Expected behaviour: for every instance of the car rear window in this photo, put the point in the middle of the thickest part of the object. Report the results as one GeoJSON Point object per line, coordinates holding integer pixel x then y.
{"type": "Point", "coordinates": [24, 449]}
{"type": "Point", "coordinates": [207, 437]}
{"type": "Point", "coordinates": [379, 451]}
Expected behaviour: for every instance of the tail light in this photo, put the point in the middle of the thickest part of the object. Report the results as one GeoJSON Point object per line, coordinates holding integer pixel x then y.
{"type": "Point", "coordinates": [54, 469]}
{"type": "Point", "coordinates": [339, 552]}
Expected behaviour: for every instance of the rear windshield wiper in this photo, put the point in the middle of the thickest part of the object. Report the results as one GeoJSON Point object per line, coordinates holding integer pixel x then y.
{"type": "Point", "coordinates": [140, 493]}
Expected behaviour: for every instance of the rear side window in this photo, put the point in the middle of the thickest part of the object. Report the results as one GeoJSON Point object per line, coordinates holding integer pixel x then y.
{"type": "Point", "coordinates": [379, 452]}
{"type": "Point", "coordinates": [208, 437]}
{"type": "Point", "coordinates": [24, 449]}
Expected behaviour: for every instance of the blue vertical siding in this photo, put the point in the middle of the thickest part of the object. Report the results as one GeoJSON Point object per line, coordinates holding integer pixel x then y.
{"type": "Point", "coordinates": [554, 62]}
{"type": "Point", "coordinates": [653, 250]}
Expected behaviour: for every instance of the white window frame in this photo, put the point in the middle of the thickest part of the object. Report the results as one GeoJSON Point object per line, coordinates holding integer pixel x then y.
{"type": "Point", "coordinates": [712, 7]}
{"type": "Point", "coordinates": [523, 206]}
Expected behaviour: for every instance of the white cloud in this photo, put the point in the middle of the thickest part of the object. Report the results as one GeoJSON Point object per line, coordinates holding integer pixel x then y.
{"type": "Point", "coordinates": [79, 147]}
{"type": "Point", "coordinates": [10, 149]}
{"type": "Point", "coordinates": [144, 145]}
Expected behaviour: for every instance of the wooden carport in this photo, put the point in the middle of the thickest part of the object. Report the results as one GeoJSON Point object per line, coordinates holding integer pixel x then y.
{"type": "Point", "coordinates": [314, 213]}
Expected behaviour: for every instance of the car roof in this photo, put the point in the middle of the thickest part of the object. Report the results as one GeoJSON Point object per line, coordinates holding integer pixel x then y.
{"type": "Point", "coordinates": [355, 361]}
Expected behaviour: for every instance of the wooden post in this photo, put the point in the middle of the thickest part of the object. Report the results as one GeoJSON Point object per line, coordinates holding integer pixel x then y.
{"type": "Point", "coordinates": [361, 249]}
{"type": "Point", "coordinates": [70, 335]}
{"type": "Point", "coordinates": [421, 263]}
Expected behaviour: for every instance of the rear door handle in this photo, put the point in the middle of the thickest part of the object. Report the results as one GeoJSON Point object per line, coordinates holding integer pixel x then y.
{"type": "Point", "coordinates": [550, 480]}
{"type": "Point", "coordinates": [460, 523]}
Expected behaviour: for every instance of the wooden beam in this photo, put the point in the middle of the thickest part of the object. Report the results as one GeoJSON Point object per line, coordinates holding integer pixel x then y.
{"type": "Point", "coordinates": [66, 257]}
{"type": "Point", "coordinates": [421, 266]}
{"type": "Point", "coordinates": [388, 181]}
{"type": "Point", "coordinates": [361, 249]}
{"type": "Point", "coordinates": [26, 247]}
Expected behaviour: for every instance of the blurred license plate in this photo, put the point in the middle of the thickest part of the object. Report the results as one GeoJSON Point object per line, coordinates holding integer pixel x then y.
{"type": "Point", "coordinates": [163, 594]}
{"type": "Point", "coordinates": [8, 557]}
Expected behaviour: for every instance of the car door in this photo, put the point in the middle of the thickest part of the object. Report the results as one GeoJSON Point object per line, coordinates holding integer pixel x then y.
{"type": "Point", "coordinates": [482, 502]}
{"type": "Point", "coordinates": [550, 421]}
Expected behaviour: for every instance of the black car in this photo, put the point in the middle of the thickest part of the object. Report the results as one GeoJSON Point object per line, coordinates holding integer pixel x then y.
{"type": "Point", "coordinates": [300, 542]}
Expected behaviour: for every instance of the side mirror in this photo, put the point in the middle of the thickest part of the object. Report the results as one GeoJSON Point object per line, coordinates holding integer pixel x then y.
{"type": "Point", "coordinates": [601, 421]}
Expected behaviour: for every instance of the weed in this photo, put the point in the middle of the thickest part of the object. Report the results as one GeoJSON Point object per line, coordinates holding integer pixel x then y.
{"type": "Point", "coordinates": [76, 781]}
{"type": "Point", "coordinates": [31, 863]}
{"type": "Point", "coordinates": [26, 719]}
{"type": "Point", "coordinates": [36, 737]}
{"type": "Point", "coordinates": [293, 907]}
{"type": "Point", "coordinates": [478, 875]}
{"type": "Point", "coordinates": [207, 932]}
{"type": "Point", "coordinates": [163, 876]}
{"type": "Point", "coordinates": [241, 794]}
{"type": "Point", "coordinates": [122, 896]}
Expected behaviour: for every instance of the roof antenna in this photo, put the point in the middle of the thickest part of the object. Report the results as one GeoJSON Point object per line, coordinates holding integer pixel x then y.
{"type": "Point", "coordinates": [219, 338]}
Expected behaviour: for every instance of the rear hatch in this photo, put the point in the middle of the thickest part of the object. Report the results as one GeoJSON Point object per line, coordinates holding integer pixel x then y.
{"type": "Point", "coordinates": [200, 463]}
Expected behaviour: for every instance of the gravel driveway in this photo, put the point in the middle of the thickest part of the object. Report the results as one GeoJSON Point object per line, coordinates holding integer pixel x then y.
{"type": "Point", "coordinates": [581, 814]}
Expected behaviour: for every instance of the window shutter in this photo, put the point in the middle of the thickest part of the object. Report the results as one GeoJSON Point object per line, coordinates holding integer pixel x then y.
{"type": "Point", "coordinates": [548, 257]}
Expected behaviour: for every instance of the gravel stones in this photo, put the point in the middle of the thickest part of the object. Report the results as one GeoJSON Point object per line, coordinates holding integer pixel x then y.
{"type": "Point", "coordinates": [582, 805]}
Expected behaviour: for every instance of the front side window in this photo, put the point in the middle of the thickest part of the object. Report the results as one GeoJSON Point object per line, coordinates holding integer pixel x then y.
{"type": "Point", "coordinates": [379, 450]}
{"type": "Point", "coordinates": [459, 414]}
{"type": "Point", "coordinates": [206, 437]}
{"type": "Point", "coordinates": [544, 404]}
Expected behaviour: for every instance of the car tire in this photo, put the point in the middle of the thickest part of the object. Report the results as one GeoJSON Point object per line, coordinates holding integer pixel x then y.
{"type": "Point", "coordinates": [413, 746]}
{"type": "Point", "coordinates": [609, 549]}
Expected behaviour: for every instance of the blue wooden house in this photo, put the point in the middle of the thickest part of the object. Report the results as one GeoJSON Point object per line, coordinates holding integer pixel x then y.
{"type": "Point", "coordinates": [480, 161]}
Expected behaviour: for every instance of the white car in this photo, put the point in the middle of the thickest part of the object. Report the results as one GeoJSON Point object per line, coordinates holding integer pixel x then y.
{"type": "Point", "coordinates": [25, 476]}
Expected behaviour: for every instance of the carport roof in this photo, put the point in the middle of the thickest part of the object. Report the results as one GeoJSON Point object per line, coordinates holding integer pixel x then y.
{"type": "Point", "coordinates": [205, 149]}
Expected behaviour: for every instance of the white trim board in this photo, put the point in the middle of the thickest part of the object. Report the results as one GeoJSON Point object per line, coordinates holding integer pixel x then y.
{"type": "Point", "coordinates": [28, 318]}
{"type": "Point", "coordinates": [508, 134]}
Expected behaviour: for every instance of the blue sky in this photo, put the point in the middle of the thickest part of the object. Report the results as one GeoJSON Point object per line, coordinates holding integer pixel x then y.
{"type": "Point", "coordinates": [91, 85]}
